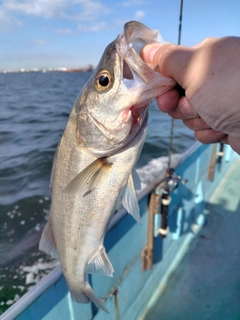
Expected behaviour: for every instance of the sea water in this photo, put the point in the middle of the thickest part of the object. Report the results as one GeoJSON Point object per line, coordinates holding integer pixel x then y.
{"type": "Point", "coordinates": [34, 109]}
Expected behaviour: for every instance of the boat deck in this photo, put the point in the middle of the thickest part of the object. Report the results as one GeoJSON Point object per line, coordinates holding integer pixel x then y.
{"type": "Point", "coordinates": [207, 283]}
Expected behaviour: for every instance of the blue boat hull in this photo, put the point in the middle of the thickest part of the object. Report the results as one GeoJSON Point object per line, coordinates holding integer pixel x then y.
{"type": "Point", "coordinates": [131, 291]}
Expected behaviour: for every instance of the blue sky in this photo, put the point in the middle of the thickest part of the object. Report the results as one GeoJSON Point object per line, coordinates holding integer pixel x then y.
{"type": "Point", "coordinates": [64, 33]}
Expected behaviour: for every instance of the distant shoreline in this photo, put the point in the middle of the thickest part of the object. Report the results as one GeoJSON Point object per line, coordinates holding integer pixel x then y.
{"type": "Point", "coordinates": [88, 68]}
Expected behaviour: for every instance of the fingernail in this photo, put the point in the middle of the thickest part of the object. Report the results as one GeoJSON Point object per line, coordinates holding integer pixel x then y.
{"type": "Point", "coordinates": [149, 50]}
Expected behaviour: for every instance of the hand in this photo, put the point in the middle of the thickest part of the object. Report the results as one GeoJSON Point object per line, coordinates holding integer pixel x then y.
{"type": "Point", "coordinates": [210, 74]}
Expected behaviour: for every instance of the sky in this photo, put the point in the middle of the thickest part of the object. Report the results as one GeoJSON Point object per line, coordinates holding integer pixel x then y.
{"type": "Point", "coordinates": [64, 33]}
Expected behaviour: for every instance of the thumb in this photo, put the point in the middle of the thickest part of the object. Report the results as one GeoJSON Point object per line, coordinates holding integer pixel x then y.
{"type": "Point", "coordinates": [172, 60]}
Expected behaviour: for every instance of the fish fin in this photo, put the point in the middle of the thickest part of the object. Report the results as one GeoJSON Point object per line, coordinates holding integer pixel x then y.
{"type": "Point", "coordinates": [87, 295]}
{"type": "Point", "coordinates": [53, 171]}
{"type": "Point", "coordinates": [47, 242]}
{"type": "Point", "coordinates": [80, 297]}
{"type": "Point", "coordinates": [85, 180]}
{"type": "Point", "coordinates": [130, 201]}
{"type": "Point", "coordinates": [136, 180]}
{"type": "Point", "coordinates": [100, 263]}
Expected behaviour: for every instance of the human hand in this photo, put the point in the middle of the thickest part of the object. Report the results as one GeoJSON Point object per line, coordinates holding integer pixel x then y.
{"type": "Point", "coordinates": [210, 74]}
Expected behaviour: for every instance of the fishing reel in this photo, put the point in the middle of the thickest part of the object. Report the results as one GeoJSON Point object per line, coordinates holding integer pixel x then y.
{"type": "Point", "coordinates": [168, 185]}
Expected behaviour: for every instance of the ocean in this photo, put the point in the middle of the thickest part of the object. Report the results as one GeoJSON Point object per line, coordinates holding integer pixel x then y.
{"type": "Point", "coordinates": [34, 109]}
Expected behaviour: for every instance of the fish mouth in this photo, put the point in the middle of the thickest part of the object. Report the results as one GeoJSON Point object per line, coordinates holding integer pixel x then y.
{"type": "Point", "coordinates": [137, 76]}
{"type": "Point", "coordinates": [129, 44]}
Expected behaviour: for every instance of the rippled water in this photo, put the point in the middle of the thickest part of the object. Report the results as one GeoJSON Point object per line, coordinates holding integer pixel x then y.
{"type": "Point", "coordinates": [34, 109]}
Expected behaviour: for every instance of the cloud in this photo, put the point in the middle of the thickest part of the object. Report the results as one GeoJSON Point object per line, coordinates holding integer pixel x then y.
{"type": "Point", "coordinates": [139, 14]}
{"type": "Point", "coordinates": [133, 3]}
{"type": "Point", "coordinates": [87, 9]}
{"type": "Point", "coordinates": [8, 22]}
{"type": "Point", "coordinates": [11, 11]}
{"type": "Point", "coordinates": [64, 31]}
{"type": "Point", "coordinates": [93, 28]}
{"type": "Point", "coordinates": [44, 8]}
{"type": "Point", "coordinates": [40, 42]}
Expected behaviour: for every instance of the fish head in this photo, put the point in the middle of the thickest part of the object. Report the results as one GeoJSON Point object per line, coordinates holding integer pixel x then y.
{"type": "Point", "coordinates": [113, 104]}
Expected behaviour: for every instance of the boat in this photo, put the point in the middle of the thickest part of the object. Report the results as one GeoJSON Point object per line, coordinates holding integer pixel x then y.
{"type": "Point", "coordinates": [174, 209]}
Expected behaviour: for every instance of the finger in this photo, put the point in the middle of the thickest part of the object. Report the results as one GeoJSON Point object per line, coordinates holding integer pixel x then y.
{"type": "Point", "coordinates": [196, 124]}
{"type": "Point", "coordinates": [205, 41]}
{"type": "Point", "coordinates": [183, 110]}
{"type": "Point", "coordinates": [172, 60]}
{"type": "Point", "coordinates": [209, 136]}
{"type": "Point", "coordinates": [148, 51]}
{"type": "Point", "coordinates": [186, 109]}
{"type": "Point", "coordinates": [168, 101]}
{"type": "Point", "coordinates": [225, 140]}
{"type": "Point", "coordinates": [234, 143]}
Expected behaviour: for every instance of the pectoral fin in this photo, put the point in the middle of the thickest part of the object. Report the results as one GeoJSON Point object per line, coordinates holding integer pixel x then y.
{"type": "Point", "coordinates": [136, 180]}
{"type": "Point", "coordinates": [100, 264]}
{"type": "Point", "coordinates": [47, 242]}
{"type": "Point", "coordinates": [85, 181]}
{"type": "Point", "coordinates": [130, 201]}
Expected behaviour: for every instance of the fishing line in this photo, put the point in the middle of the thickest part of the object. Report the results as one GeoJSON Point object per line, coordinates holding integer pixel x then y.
{"type": "Point", "coordinates": [171, 179]}
{"type": "Point", "coordinates": [172, 121]}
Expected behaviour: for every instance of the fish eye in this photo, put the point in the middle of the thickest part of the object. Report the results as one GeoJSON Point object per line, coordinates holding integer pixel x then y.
{"type": "Point", "coordinates": [103, 81]}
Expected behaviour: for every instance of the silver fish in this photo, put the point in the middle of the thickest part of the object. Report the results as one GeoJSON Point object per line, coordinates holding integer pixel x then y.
{"type": "Point", "coordinates": [94, 163]}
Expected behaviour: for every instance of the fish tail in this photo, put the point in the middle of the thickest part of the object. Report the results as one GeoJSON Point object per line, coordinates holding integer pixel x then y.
{"type": "Point", "coordinates": [86, 295]}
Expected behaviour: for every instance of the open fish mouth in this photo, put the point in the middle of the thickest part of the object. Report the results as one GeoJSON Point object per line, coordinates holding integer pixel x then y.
{"type": "Point", "coordinates": [129, 44]}
{"type": "Point", "coordinates": [137, 76]}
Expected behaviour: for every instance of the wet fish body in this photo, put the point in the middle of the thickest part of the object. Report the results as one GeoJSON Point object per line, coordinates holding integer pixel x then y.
{"type": "Point", "coordinates": [94, 163]}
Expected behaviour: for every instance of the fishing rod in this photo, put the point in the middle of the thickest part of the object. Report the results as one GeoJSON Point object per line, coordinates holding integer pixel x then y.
{"type": "Point", "coordinates": [160, 198]}
{"type": "Point", "coordinates": [171, 179]}
{"type": "Point", "coordinates": [172, 121]}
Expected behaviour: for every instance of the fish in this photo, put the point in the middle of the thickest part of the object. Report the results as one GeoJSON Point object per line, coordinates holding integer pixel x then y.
{"type": "Point", "coordinates": [94, 164]}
